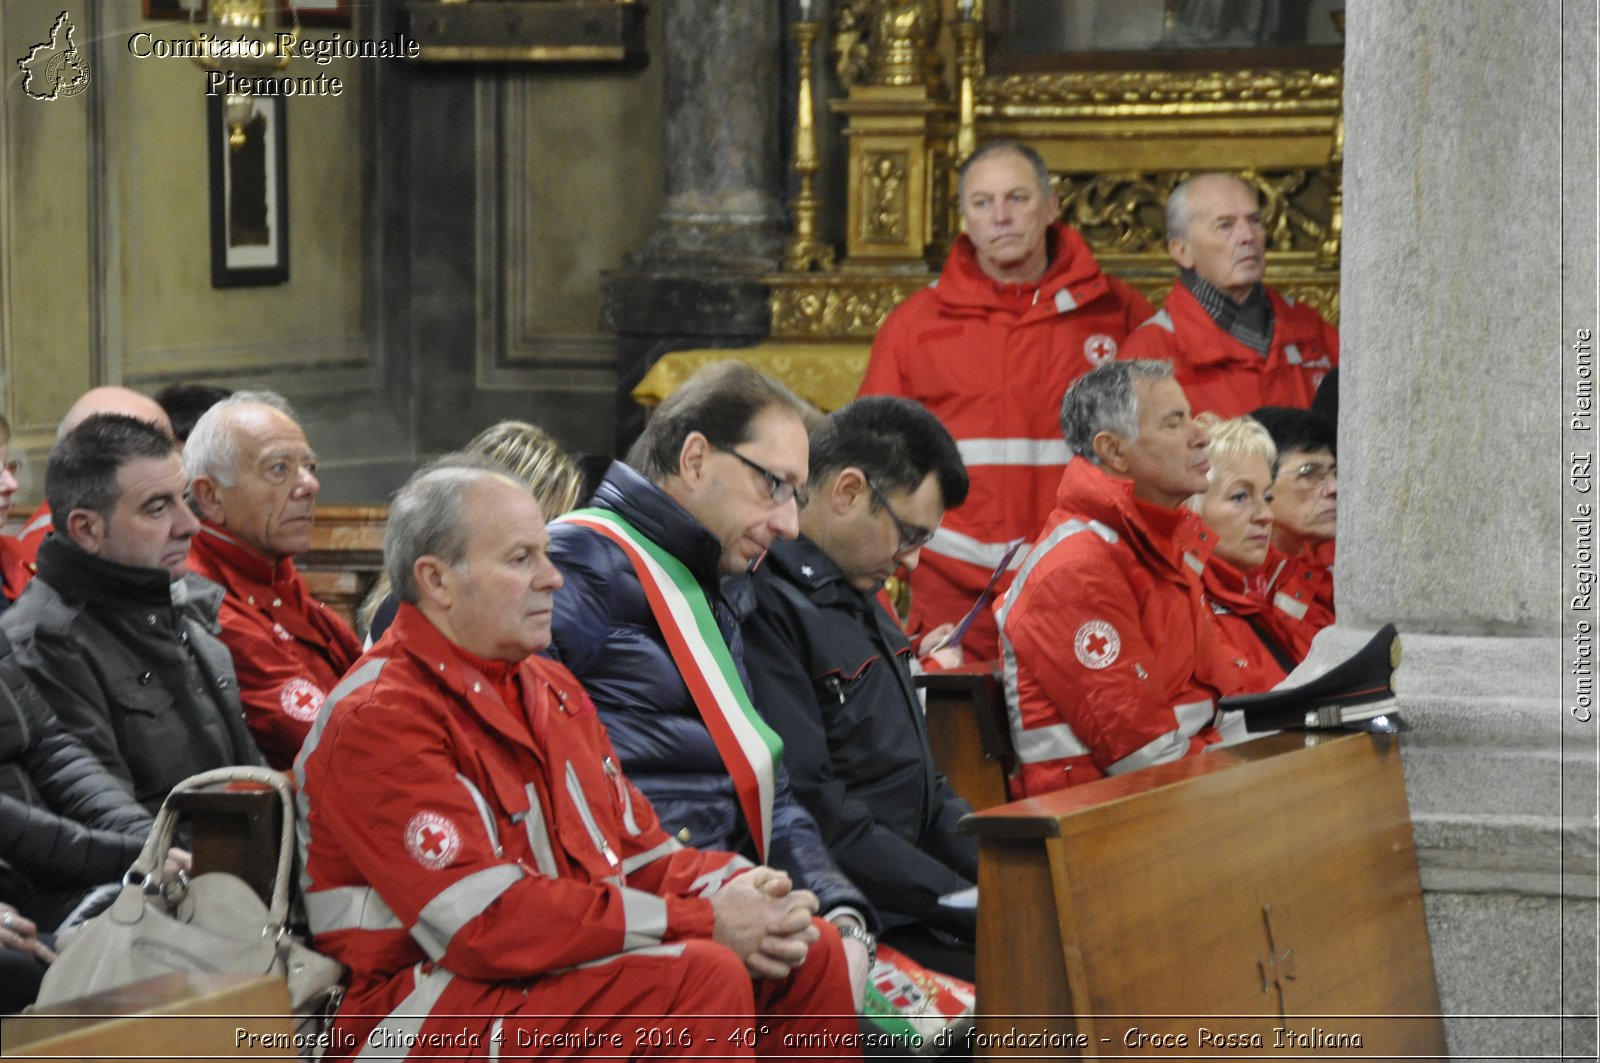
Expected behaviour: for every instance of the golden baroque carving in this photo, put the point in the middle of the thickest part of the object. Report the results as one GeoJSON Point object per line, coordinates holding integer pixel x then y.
{"type": "Point", "coordinates": [1163, 88]}
{"type": "Point", "coordinates": [838, 309]}
{"type": "Point", "coordinates": [1125, 212]}
{"type": "Point", "coordinates": [852, 54]}
{"type": "Point", "coordinates": [887, 42]}
{"type": "Point", "coordinates": [883, 192]}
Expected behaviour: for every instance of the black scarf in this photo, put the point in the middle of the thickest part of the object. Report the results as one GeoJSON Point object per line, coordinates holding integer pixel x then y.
{"type": "Point", "coordinates": [1249, 322]}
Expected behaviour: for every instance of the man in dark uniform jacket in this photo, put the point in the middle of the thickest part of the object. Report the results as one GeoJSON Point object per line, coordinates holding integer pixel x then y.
{"type": "Point", "coordinates": [831, 672]}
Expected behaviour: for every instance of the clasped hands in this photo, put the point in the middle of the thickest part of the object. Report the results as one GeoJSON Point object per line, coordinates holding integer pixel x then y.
{"type": "Point", "coordinates": [765, 921]}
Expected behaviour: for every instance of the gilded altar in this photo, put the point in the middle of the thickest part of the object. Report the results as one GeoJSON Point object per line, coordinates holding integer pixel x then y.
{"type": "Point", "coordinates": [919, 93]}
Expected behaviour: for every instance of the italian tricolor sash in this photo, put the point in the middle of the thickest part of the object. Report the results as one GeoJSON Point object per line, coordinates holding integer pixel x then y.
{"type": "Point", "coordinates": [750, 750]}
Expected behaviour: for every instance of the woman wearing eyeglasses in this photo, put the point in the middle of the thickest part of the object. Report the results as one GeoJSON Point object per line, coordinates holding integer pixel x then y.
{"type": "Point", "coordinates": [15, 570]}
{"type": "Point", "coordinates": [1305, 511]}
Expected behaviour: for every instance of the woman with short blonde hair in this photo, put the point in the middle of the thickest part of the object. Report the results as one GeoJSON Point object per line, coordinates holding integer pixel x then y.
{"type": "Point", "coordinates": [1252, 629]}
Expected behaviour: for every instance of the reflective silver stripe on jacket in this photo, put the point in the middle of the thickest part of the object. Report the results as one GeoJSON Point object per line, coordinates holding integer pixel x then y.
{"type": "Point", "coordinates": [544, 857]}
{"type": "Point", "coordinates": [709, 883]}
{"type": "Point", "coordinates": [585, 813]}
{"type": "Point", "coordinates": [1194, 562]}
{"type": "Point", "coordinates": [1290, 605]}
{"type": "Point", "coordinates": [495, 1037]}
{"type": "Point", "coordinates": [644, 918]}
{"type": "Point", "coordinates": [954, 544]}
{"type": "Point", "coordinates": [1056, 740]}
{"type": "Point", "coordinates": [1014, 451]}
{"type": "Point", "coordinates": [402, 1024]}
{"type": "Point", "coordinates": [644, 859]}
{"type": "Point", "coordinates": [1192, 717]}
{"type": "Point", "coordinates": [487, 816]}
{"type": "Point", "coordinates": [366, 673]}
{"type": "Point", "coordinates": [1064, 301]}
{"type": "Point", "coordinates": [1163, 320]}
{"type": "Point", "coordinates": [459, 903]}
{"type": "Point", "coordinates": [649, 950]}
{"type": "Point", "coordinates": [43, 520]}
{"type": "Point", "coordinates": [349, 908]}
{"type": "Point", "coordinates": [1291, 353]}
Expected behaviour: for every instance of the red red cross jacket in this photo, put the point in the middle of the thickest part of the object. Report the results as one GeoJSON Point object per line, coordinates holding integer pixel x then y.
{"type": "Point", "coordinates": [992, 361]}
{"type": "Point", "coordinates": [1247, 611]}
{"type": "Point", "coordinates": [1222, 375]}
{"type": "Point", "coordinates": [16, 568]}
{"type": "Point", "coordinates": [452, 839]}
{"type": "Point", "coordinates": [288, 648]}
{"type": "Point", "coordinates": [1109, 656]}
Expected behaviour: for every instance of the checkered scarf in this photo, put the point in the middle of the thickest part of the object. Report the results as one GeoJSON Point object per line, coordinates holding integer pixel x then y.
{"type": "Point", "coordinates": [1249, 322]}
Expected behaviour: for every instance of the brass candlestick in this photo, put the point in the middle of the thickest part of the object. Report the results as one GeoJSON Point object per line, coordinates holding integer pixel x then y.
{"type": "Point", "coordinates": [805, 250]}
{"type": "Point", "coordinates": [969, 33]}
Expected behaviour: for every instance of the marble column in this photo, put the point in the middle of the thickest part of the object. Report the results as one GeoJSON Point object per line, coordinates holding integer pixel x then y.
{"type": "Point", "coordinates": [696, 281]}
{"type": "Point", "coordinates": [1453, 460]}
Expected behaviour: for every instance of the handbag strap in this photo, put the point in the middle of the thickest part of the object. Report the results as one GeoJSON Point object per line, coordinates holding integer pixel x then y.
{"type": "Point", "coordinates": [148, 868]}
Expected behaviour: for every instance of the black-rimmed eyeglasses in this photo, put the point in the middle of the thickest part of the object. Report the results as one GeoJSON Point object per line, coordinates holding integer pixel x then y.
{"type": "Point", "coordinates": [780, 490]}
{"type": "Point", "coordinates": [912, 537]}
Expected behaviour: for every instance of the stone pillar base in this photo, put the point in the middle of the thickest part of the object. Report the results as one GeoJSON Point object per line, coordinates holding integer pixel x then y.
{"type": "Point", "coordinates": [1503, 807]}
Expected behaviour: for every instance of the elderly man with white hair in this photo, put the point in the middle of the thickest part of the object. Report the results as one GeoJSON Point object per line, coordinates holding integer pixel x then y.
{"type": "Point", "coordinates": [253, 478]}
{"type": "Point", "coordinates": [1237, 344]}
{"type": "Point", "coordinates": [1110, 658]}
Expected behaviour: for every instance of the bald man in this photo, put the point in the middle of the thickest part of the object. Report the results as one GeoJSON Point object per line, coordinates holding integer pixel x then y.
{"type": "Point", "coordinates": [95, 400]}
{"type": "Point", "coordinates": [1236, 344]}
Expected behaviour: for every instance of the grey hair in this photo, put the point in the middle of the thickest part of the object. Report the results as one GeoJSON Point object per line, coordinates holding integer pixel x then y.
{"type": "Point", "coordinates": [1104, 400]}
{"type": "Point", "coordinates": [212, 451]}
{"type": "Point", "coordinates": [1178, 213]}
{"type": "Point", "coordinates": [427, 518]}
{"type": "Point", "coordinates": [996, 147]}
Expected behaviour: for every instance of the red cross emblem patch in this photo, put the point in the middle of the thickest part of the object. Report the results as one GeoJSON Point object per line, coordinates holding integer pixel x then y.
{"type": "Point", "coordinates": [1097, 644]}
{"type": "Point", "coordinates": [301, 699]}
{"type": "Point", "coordinates": [1099, 348]}
{"type": "Point", "coordinates": [432, 840]}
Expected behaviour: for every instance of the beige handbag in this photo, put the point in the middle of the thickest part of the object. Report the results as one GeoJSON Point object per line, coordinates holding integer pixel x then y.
{"type": "Point", "coordinates": [214, 922]}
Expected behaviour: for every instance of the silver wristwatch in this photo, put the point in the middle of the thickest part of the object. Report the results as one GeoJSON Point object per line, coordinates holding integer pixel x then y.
{"type": "Point", "coordinates": [863, 935]}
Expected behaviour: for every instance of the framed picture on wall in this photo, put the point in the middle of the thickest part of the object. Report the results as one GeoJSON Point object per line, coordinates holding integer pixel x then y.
{"type": "Point", "coordinates": [309, 12]}
{"type": "Point", "coordinates": [249, 191]}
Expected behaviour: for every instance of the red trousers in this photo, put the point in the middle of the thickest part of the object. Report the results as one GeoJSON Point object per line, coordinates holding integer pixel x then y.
{"type": "Point", "coordinates": [692, 998]}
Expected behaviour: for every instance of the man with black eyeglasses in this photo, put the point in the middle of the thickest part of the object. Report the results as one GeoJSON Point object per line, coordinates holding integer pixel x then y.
{"type": "Point", "coordinates": [1305, 516]}
{"type": "Point", "coordinates": [831, 672]}
{"type": "Point", "coordinates": [656, 584]}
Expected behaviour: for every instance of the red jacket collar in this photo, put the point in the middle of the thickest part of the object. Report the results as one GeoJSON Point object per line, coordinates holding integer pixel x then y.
{"type": "Point", "coordinates": [1072, 270]}
{"type": "Point", "coordinates": [1174, 539]}
{"type": "Point", "coordinates": [1287, 328]}
{"type": "Point", "coordinates": [236, 563]}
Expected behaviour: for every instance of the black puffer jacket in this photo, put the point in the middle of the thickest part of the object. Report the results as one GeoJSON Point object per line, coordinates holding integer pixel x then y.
{"type": "Point", "coordinates": [66, 824]}
{"type": "Point", "coordinates": [607, 635]}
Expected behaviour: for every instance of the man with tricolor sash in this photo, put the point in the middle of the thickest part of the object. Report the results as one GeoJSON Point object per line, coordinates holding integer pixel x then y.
{"type": "Point", "coordinates": [494, 882]}
{"type": "Point", "coordinates": [648, 619]}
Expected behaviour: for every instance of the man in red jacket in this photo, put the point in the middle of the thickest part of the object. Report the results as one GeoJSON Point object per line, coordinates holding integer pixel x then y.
{"type": "Point", "coordinates": [254, 484]}
{"type": "Point", "coordinates": [493, 881]}
{"type": "Point", "coordinates": [1020, 311]}
{"type": "Point", "coordinates": [1110, 659]}
{"type": "Point", "coordinates": [1237, 344]}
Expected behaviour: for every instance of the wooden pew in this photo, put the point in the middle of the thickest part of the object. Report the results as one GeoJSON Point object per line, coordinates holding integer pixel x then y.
{"type": "Point", "coordinates": [235, 828]}
{"type": "Point", "coordinates": [1268, 891]}
{"type": "Point", "coordinates": [967, 731]}
{"type": "Point", "coordinates": [188, 1017]}
{"type": "Point", "coordinates": [346, 556]}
